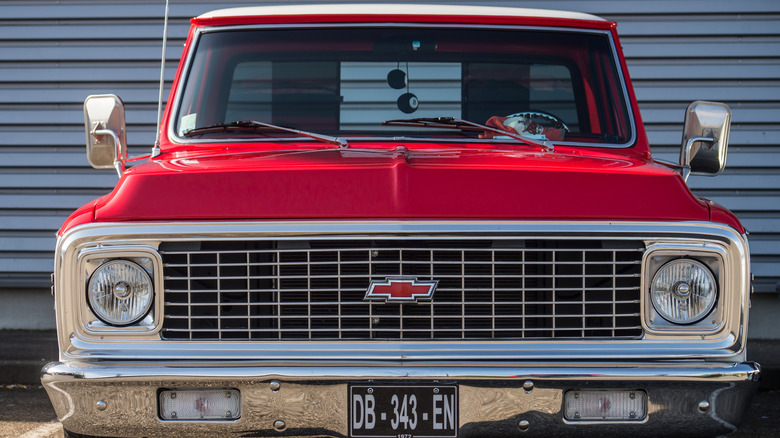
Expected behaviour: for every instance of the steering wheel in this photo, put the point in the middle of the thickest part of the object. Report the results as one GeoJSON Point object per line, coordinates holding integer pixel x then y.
{"type": "Point", "coordinates": [537, 124]}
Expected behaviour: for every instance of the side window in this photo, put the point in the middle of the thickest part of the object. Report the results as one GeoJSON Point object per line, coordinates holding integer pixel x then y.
{"type": "Point", "coordinates": [301, 95]}
{"type": "Point", "coordinates": [368, 99]}
{"type": "Point", "coordinates": [504, 89]}
{"type": "Point", "coordinates": [493, 89]}
{"type": "Point", "coordinates": [250, 92]}
{"type": "Point", "coordinates": [552, 91]}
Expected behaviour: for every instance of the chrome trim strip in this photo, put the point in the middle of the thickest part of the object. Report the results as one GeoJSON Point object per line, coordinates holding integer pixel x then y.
{"type": "Point", "coordinates": [416, 229]}
{"type": "Point", "coordinates": [323, 370]}
{"type": "Point", "coordinates": [726, 343]}
{"type": "Point", "coordinates": [174, 138]}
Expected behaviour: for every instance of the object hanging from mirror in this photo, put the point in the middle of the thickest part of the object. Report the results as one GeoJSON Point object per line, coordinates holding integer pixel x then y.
{"type": "Point", "coordinates": [396, 79]}
{"type": "Point", "coordinates": [408, 103]}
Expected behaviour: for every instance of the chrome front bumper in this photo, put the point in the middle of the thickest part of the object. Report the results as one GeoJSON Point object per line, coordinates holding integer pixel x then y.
{"type": "Point", "coordinates": [495, 399]}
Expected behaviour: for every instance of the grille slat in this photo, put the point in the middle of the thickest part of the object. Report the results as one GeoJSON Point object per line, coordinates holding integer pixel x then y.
{"type": "Point", "coordinates": [439, 289]}
{"type": "Point", "coordinates": [333, 277]}
{"type": "Point", "coordinates": [488, 289]}
{"type": "Point", "coordinates": [304, 264]}
{"type": "Point", "coordinates": [402, 248]}
{"type": "Point", "coordinates": [407, 316]}
{"type": "Point", "coordinates": [458, 303]}
{"type": "Point", "coordinates": [354, 330]}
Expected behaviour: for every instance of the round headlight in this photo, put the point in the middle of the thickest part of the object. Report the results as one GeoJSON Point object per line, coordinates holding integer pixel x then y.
{"type": "Point", "coordinates": [683, 291]}
{"type": "Point", "coordinates": [120, 292]}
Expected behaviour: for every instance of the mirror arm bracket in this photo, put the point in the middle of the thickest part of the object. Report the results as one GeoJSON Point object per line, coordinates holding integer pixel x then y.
{"type": "Point", "coordinates": [119, 162]}
{"type": "Point", "coordinates": [686, 164]}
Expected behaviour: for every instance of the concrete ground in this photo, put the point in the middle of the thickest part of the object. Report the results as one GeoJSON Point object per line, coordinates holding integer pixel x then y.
{"type": "Point", "coordinates": [26, 412]}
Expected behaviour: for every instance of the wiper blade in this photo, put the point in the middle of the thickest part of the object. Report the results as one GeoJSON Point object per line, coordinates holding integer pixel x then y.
{"type": "Point", "coordinates": [455, 123]}
{"type": "Point", "coordinates": [254, 125]}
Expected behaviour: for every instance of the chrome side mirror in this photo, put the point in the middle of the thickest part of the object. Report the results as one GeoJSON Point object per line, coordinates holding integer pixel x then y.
{"type": "Point", "coordinates": [104, 121]}
{"type": "Point", "coordinates": [705, 138]}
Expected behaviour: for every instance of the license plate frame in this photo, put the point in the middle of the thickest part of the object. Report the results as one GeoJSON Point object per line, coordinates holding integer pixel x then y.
{"type": "Point", "coordinates": [420, 410]}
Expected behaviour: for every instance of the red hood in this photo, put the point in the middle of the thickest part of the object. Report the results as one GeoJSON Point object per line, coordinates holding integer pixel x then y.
{"type": "Point", "coordinates": [385, 184]}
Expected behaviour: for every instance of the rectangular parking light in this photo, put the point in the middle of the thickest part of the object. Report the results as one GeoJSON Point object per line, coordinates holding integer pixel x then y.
{"type": "Point", "coordinates": [200, 404]}
{"type": "Point", "coordinates": [605, 405]}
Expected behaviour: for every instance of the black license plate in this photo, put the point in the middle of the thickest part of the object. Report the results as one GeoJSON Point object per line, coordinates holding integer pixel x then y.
{"type": "Point", "coordinates": [403, 411]}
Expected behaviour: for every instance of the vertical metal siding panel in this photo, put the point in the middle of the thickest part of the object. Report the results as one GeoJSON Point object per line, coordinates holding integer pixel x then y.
{"type": "Point", "coordinates": [51, 57]}
{"type": "Point", "coordinates": [55, 54]}
{"type": "Point", "coordinates": [687, 51]}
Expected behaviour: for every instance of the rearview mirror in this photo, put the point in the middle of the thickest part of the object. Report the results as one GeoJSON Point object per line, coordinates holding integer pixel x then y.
{"type": "Point", "coordinates": [104, 121]}
{"type": "Point", "coordinates": [705, 138]}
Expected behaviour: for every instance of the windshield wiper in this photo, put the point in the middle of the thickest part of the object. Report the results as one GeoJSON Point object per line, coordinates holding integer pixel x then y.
{"type": "Point", "coordinates": [254, 125]}
{"type": "Point", "coordinates": [455, 123]}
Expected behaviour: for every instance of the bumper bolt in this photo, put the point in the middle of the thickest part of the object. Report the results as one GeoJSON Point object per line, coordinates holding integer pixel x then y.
{"type": "Point", "coordinates": [704, 406]}
{"type": "Point", "coordinates": [101, 405]}
{"type": "Point", "coordinates": [528, 386]}
{"type": "Point", "coordinates": [274, 385]}
{"type": "Point", "coordinates": [523, 425]}
{"type": "Point", "coordinates": [279, 425]}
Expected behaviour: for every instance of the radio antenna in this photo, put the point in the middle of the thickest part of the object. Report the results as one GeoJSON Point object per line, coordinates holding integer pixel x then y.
{"type": "Point", "coordinates": [156, 149]}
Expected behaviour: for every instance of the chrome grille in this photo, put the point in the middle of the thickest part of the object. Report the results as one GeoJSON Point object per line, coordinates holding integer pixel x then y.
{"type": "Point", "coordinates": [500, 288]}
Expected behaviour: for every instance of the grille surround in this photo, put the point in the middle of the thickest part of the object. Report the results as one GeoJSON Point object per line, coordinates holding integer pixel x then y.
{"type": "Point", "coordinates": [491, 288]}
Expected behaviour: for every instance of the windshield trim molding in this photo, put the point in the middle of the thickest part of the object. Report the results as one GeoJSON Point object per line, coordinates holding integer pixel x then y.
{"type": "Point", "coordinates": [177, 140]}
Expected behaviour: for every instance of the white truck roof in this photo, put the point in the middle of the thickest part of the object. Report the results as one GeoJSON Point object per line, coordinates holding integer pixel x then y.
{"type": "Point", "coordinates": [395, 9]}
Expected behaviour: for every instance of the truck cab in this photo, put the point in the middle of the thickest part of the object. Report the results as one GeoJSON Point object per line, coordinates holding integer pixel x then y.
{"type": "Point", "coordinates": [404, 221]}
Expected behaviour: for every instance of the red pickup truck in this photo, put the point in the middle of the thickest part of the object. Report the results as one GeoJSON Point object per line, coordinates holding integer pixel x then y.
{"type": "Point", "coordinates": [402, 221]}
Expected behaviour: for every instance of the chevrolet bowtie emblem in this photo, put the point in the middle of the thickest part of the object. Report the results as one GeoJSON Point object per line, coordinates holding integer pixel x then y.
{"type": "Point", "coordinates": [401, 289]}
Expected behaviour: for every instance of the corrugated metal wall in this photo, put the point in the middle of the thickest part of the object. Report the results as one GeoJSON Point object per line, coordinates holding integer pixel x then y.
{"type": "Point", "coordinates": [54, 54]}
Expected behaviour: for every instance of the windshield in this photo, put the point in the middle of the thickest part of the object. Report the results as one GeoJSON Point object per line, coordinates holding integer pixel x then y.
{"type": "Point", "coordinates": [348, 82]}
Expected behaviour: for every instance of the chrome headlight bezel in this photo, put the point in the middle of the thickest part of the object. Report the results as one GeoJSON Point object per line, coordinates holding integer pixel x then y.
{"type": "Point", "coordinates": [712, 258]}
{"type": "Point", "coordinates": [146, 258]}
